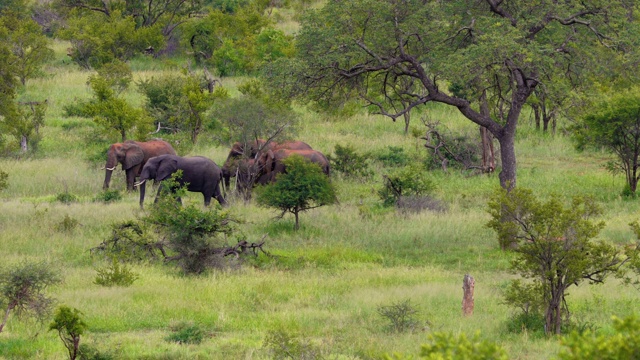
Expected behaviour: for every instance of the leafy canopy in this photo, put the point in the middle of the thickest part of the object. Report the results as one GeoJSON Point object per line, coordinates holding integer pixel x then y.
{"type": "Point", "coordinates": [302, 187]}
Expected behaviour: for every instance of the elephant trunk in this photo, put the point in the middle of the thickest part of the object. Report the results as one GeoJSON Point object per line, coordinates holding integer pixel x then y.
{"type": "Point", "coordinates": [143, 188]}
{"type": "Point", "coordinates": [226, 176]}
{"type": "Point", "coordinates": [112, 162]}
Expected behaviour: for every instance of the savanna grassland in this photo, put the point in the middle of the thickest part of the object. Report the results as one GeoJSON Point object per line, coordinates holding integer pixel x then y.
{"type": "Point", "coordinates": [327, 280]}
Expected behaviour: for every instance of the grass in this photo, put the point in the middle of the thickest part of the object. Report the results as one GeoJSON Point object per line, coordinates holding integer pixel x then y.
{"type": "Point", "coordinates": [327, 280]}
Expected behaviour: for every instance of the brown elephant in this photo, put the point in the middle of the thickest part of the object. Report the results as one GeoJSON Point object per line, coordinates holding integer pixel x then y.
{"type": "Point", "coordinates": [236, 160]}
{"type": "Point", "coordinates": [270, 163]}
{"type": "Point", "coordinates": [133, 155]}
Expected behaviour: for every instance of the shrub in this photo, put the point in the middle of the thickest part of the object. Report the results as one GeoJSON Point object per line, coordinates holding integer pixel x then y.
{"type": "Point", "coordinates": [109, 196]}
{"type": "Point", "coordinates": [284, 345]}
{"type": "Point", "coordinates": [408, 181]}
{"type": "Point", "coordinates": [393, 156]}
{"type": "Point", "coordinates": [70, 325]}
{"type": "Point", "coordinates": [115, 274]}
{"type": "Point", "coordinates": [402, 316]}
{"type": "Point", "coordinates": [187, 333]}
{"type": "Point", "coordinates": [449, 346]}
{"type": "Point", "coordinates": [195, 235]}
{"type": "Point", "coordinates": [68, 224]}
{"type": "Point", "coordinates": [623, 344]}
{"type": "Point", "coordinates": [66, 197]}
{"type": "Point", "coordinates": [22, 289]}
{"type": "Point", "coordinates": [348, 162]}
{"type": "Point", "coordinates": [4, 180]}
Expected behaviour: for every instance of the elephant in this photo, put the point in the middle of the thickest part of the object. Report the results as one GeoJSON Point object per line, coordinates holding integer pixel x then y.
{"type": "Point", "coordinates": [270, 163]}
{"type": "Point", "coordinates": [133, 155]}
{"type": "Point", "coordinates": [200, 173]}
{"type": "Point", "coordinates": [237, 154]}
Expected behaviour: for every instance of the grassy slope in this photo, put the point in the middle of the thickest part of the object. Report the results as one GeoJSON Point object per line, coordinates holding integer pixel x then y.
{"type": "Point", "coordinates": [346, 261]}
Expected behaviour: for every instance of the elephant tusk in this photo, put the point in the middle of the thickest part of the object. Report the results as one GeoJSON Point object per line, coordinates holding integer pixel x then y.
{"type": "Point", "coordinates": [110, 169]}
{"type": "Point", "coordinates": [139, 183]}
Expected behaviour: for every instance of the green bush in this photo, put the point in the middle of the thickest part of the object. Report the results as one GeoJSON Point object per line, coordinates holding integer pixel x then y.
{"type": "Point", "coordinates": [109, 196]}
{"type": "Point", "coordinates": [67, 224]}
{"type": "Point", "coordinates": [402, 316]}
{"type": "Point", "coordinates": [187, 333]}
{"type": "Point", "coordinates": [66, 197]}
{"type": "Point", "coordinates": [623, 344]}
{"type": "Point", "coordinates": [283, 345]}
{"type": "Point", "coordinates": [349, 163]}
{"type": "Point", "coordinates": [4, 180]}
{"type": "Point", "coordinates": [408, 181]}
{"type": "Point", "coordinates": [115, 274]}
{"type": "Point", "coordinates": [393, 156]}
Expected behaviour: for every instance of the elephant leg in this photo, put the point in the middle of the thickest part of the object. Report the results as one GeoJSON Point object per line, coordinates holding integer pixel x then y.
{"type": "Point", "coordinates": [218, 196]}
{"type": "Point", "coordinates": [207, 199]}
{"type": "Point", "coordinates": [131, 173]}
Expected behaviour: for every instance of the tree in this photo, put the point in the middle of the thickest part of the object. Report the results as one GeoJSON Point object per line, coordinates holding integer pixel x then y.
{"type": "Point", "coordinates": [165, 15]}
{"type": "Point", "coordinates": [29, 46]}
{"type": "Point", "coordinates": [181, 102]}
{"type": "Point", "coordinates": [69, 324]}
{"type": "Point", "coordinates": [97, 39]}
{"type": "Point", "coordinates": [496, 52]}
{"type": "Point", "coordinates": [614, 124]}
{"type": "Point", "coordinates": [553, 247]}
{"type": "Point", "coordinates": [22, 289]}
{"type": "Point", "coordinates": [25, 125]}
{"type": "Point", "coordinates": [112, 112]}
{"type": "Point", "coordinates": [303, 187]}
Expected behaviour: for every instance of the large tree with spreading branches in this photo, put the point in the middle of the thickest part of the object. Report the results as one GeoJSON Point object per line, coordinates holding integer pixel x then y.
{"type": "Point", "coordinates": [484, 57]}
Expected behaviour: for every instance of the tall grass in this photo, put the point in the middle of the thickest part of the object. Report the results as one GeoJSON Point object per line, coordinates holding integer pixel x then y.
{"type": "Point", "coordinates": [325, 281]}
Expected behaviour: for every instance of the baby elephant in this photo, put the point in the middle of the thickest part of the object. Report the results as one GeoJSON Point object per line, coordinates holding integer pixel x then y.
{"type": "Point", "coordinates": [201, 174]}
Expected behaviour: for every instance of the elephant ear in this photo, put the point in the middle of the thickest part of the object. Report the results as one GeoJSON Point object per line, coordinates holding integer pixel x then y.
{"type": "Point", "coordinates": [134, 155]}
{"type": "Point", "coordinates": [167, 167]}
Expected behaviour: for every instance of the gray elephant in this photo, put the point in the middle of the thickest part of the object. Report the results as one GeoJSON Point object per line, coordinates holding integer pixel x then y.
{"type": "Point", "coordinates": [133, 155]}
{"type": "Point", "coordinates": [201, 174]}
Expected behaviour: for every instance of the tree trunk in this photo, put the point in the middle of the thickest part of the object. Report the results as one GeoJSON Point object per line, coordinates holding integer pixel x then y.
{"type": "Point", "coordinates": [297, 225]}
{"type": "Point", "coordinates": [488, 154]}
{"type": "Point", "coordinates": [508, 157]}
{"type": "Point", "coordinates": [5, 319]}
{"type": "Point", "coordinates": [468, 285]}
{"type": "Point", "coordinates": [407, 119]}
{"type": "Point", "coordinates": [24, 144]}
{"type": "Point", "coordinates": [123, 135]}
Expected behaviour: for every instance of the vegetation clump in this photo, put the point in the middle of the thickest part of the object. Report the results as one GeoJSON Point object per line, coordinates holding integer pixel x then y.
{"type": "Point", "coordinates": [67, 224]}
{"type": "Point", "coordinates": [69, 324]}
{"type": "Point", "coordinates": [410, 181]}
{"type": "Point", "coordinates": [23, 290]}
{"type": "Point", "coordinates": [402, 316]}
{"type": "Point", "coordinates": [303, 187]}
{"type": "Point", "coordinates": [115, 274]}
{"type": "Point", "coordinates": [187, 333]}
{"type": "Point", "coordinates": [282, 345]}
{"type": "Point", "coordinates": [350, 163]}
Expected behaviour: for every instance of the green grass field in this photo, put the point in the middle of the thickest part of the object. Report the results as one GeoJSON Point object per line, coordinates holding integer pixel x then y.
{"type": "Point", "coordinates": [327, 280]}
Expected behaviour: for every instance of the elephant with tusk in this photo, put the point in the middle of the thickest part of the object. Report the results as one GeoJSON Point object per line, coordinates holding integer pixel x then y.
{"type": "Point", "coordinates": [133, 155]}
{"type": "Point", "coordinates": [199, 173]}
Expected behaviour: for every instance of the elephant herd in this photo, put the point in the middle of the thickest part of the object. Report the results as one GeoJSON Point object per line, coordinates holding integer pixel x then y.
{"type": "Point", "coordinates": [256, 163]}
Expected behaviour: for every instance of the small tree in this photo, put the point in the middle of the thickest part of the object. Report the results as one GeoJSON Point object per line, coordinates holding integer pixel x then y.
{"type": "Point", "coordinates": [615, 125]}
{"type": "Point", "coordinates": [25, 125]}
{"type": "Point", "coordinates": [4, 180]}
{"type": "Point", "coordinates": [22, 289]}
{"type": "Point", "coordinates": [111, 112]}
{"type": "Point", "coordinates": [69, 324]}
{"type": "Point", "coordinates": [553, 246]}
{"type": "Point", "coordinates": [303, 187]}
